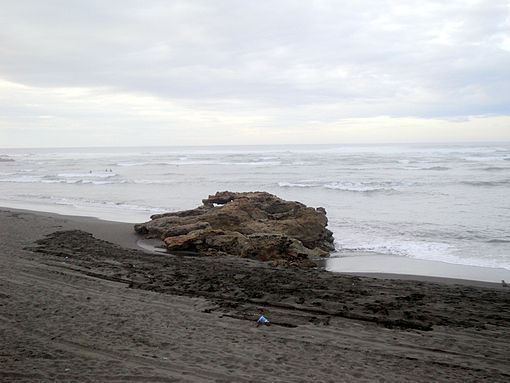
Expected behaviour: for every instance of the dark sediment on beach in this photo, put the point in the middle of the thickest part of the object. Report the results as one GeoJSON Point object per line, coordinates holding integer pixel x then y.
{"type": "Point", "coordinates": [81, 307]}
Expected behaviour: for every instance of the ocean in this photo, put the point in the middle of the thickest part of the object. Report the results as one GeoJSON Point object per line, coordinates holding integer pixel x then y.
{"type": "Point", "coordinates": [447, 203]}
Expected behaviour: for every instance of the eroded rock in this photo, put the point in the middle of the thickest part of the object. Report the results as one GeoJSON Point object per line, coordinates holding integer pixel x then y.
{"type": "Point", "coordinates": [255, 225]}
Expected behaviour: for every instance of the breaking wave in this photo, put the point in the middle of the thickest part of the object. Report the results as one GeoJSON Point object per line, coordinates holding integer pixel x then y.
{"type": "Point", "coordinates": [296, 185]}
{"type": "Point", "coordinates": [64, 178]}
{"type": "Point", "coordinates": [432, 251]}
{"type": "Point", "coordinates": [363, 187]}
{"type": "Point", "coordinates": [413, 249]}
{"type": "Point", "coordinates": [350, 186]}
{"type": "Point", "coordinates": [440, 168]}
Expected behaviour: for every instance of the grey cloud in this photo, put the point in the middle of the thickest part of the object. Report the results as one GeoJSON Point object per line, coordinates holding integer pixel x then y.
{"type": "Point", "coordinates": [376, 57]}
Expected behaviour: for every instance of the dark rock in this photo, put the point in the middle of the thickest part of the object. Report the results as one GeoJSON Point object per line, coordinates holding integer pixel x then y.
{"type": "Point", "coordinates": [255, 225]}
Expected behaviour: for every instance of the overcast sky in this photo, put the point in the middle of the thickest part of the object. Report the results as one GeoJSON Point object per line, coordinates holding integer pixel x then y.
{"type": "Point", "coordinates": [80, 73]}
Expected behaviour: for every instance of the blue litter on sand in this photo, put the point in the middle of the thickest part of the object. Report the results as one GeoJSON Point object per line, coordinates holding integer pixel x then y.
{"type": "Point", "coordinates": [262, 320]}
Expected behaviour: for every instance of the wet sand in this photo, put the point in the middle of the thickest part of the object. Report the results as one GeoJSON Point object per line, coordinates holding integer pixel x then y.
{"type": "Point", "coordinates": [79, 302]}
{"type": "Point", "coordinates": [381, 265]}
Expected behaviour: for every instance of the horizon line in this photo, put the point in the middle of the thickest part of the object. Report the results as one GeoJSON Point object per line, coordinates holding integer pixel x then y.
{"type": "Point", "coordinates": [262, 145]}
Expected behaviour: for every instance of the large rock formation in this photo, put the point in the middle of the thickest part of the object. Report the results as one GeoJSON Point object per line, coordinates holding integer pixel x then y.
{"type": "Point", "coordinates": [254, 225]}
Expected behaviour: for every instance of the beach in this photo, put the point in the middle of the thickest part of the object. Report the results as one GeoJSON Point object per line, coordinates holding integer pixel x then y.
{"type": "Point", "coordinates": [293, 191]}
{"type": "Point", "coordinates": [80, 301]}
{"type": "Point", "coordinates": [439, 203]}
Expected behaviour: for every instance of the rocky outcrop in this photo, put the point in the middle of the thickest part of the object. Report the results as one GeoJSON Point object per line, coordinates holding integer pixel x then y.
{"type": "Point", "coordinates": [255, 225]}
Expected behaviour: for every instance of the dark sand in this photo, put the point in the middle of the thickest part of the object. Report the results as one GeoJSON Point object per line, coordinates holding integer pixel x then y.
{"type": "Point", "coordinates": [75, 308]}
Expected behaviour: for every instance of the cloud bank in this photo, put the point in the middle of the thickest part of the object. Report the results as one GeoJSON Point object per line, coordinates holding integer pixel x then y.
{"type": "Point", "coordinates": [229, 72]}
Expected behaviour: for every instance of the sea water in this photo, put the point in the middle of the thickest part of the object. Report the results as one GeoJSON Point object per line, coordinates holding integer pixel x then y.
{"type": "Point", "coordinates": [446, 203]}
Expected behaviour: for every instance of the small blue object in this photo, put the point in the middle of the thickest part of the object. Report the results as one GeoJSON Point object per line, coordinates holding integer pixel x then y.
{"type": "Point", "coordinates": [262, 320]}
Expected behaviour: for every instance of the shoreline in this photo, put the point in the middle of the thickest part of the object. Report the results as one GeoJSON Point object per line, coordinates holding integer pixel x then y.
{"type": "Point", "coordinates": [123, 234]}
{"type": "Point", "coordinates": [384, 266]}
{"type": "Point", "coordinates": [120, 233]}
{"type": "Point", "coordinates": [76, 307]}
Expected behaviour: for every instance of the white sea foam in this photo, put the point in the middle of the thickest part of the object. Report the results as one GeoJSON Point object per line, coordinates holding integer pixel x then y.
{"type": "Point", "coordinates": [303, 163]}
{"type": "Point", "coordinates": [361, 186]}
{"type": "Point", "coordinates": [103, 182]}
{"type": "Point", "coordinates": [87, 175]}
{"type": "Point", "coordinates": [204, 162]}
{"type": "Point", "coordinates": [432, 251]}
{"type": "Point", "coordinates": [415, 249]}
{"type": "Point", "coordinates": [86, 202]}
{"type": "Point", "coordinates": [484, 158]}
{"type": "Point", "coordinates": [441, 168]}
{"type": "Point", "coordinates": [427, 250]}
{"type": "Point", "coordinates": [60, 181]}
{"type": "Point", "coordinates": [349, 186]}
{"type": "Point", "coordinates": [296, 185]}
{"type": "Point", "coordinates": [426, 168]}
{"type": "Point", "coordinates": [55, 180]}
{"type": "Point", "coordinates": [22, 179]}
{"type": "Point", "coordinates": [154, 182]}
